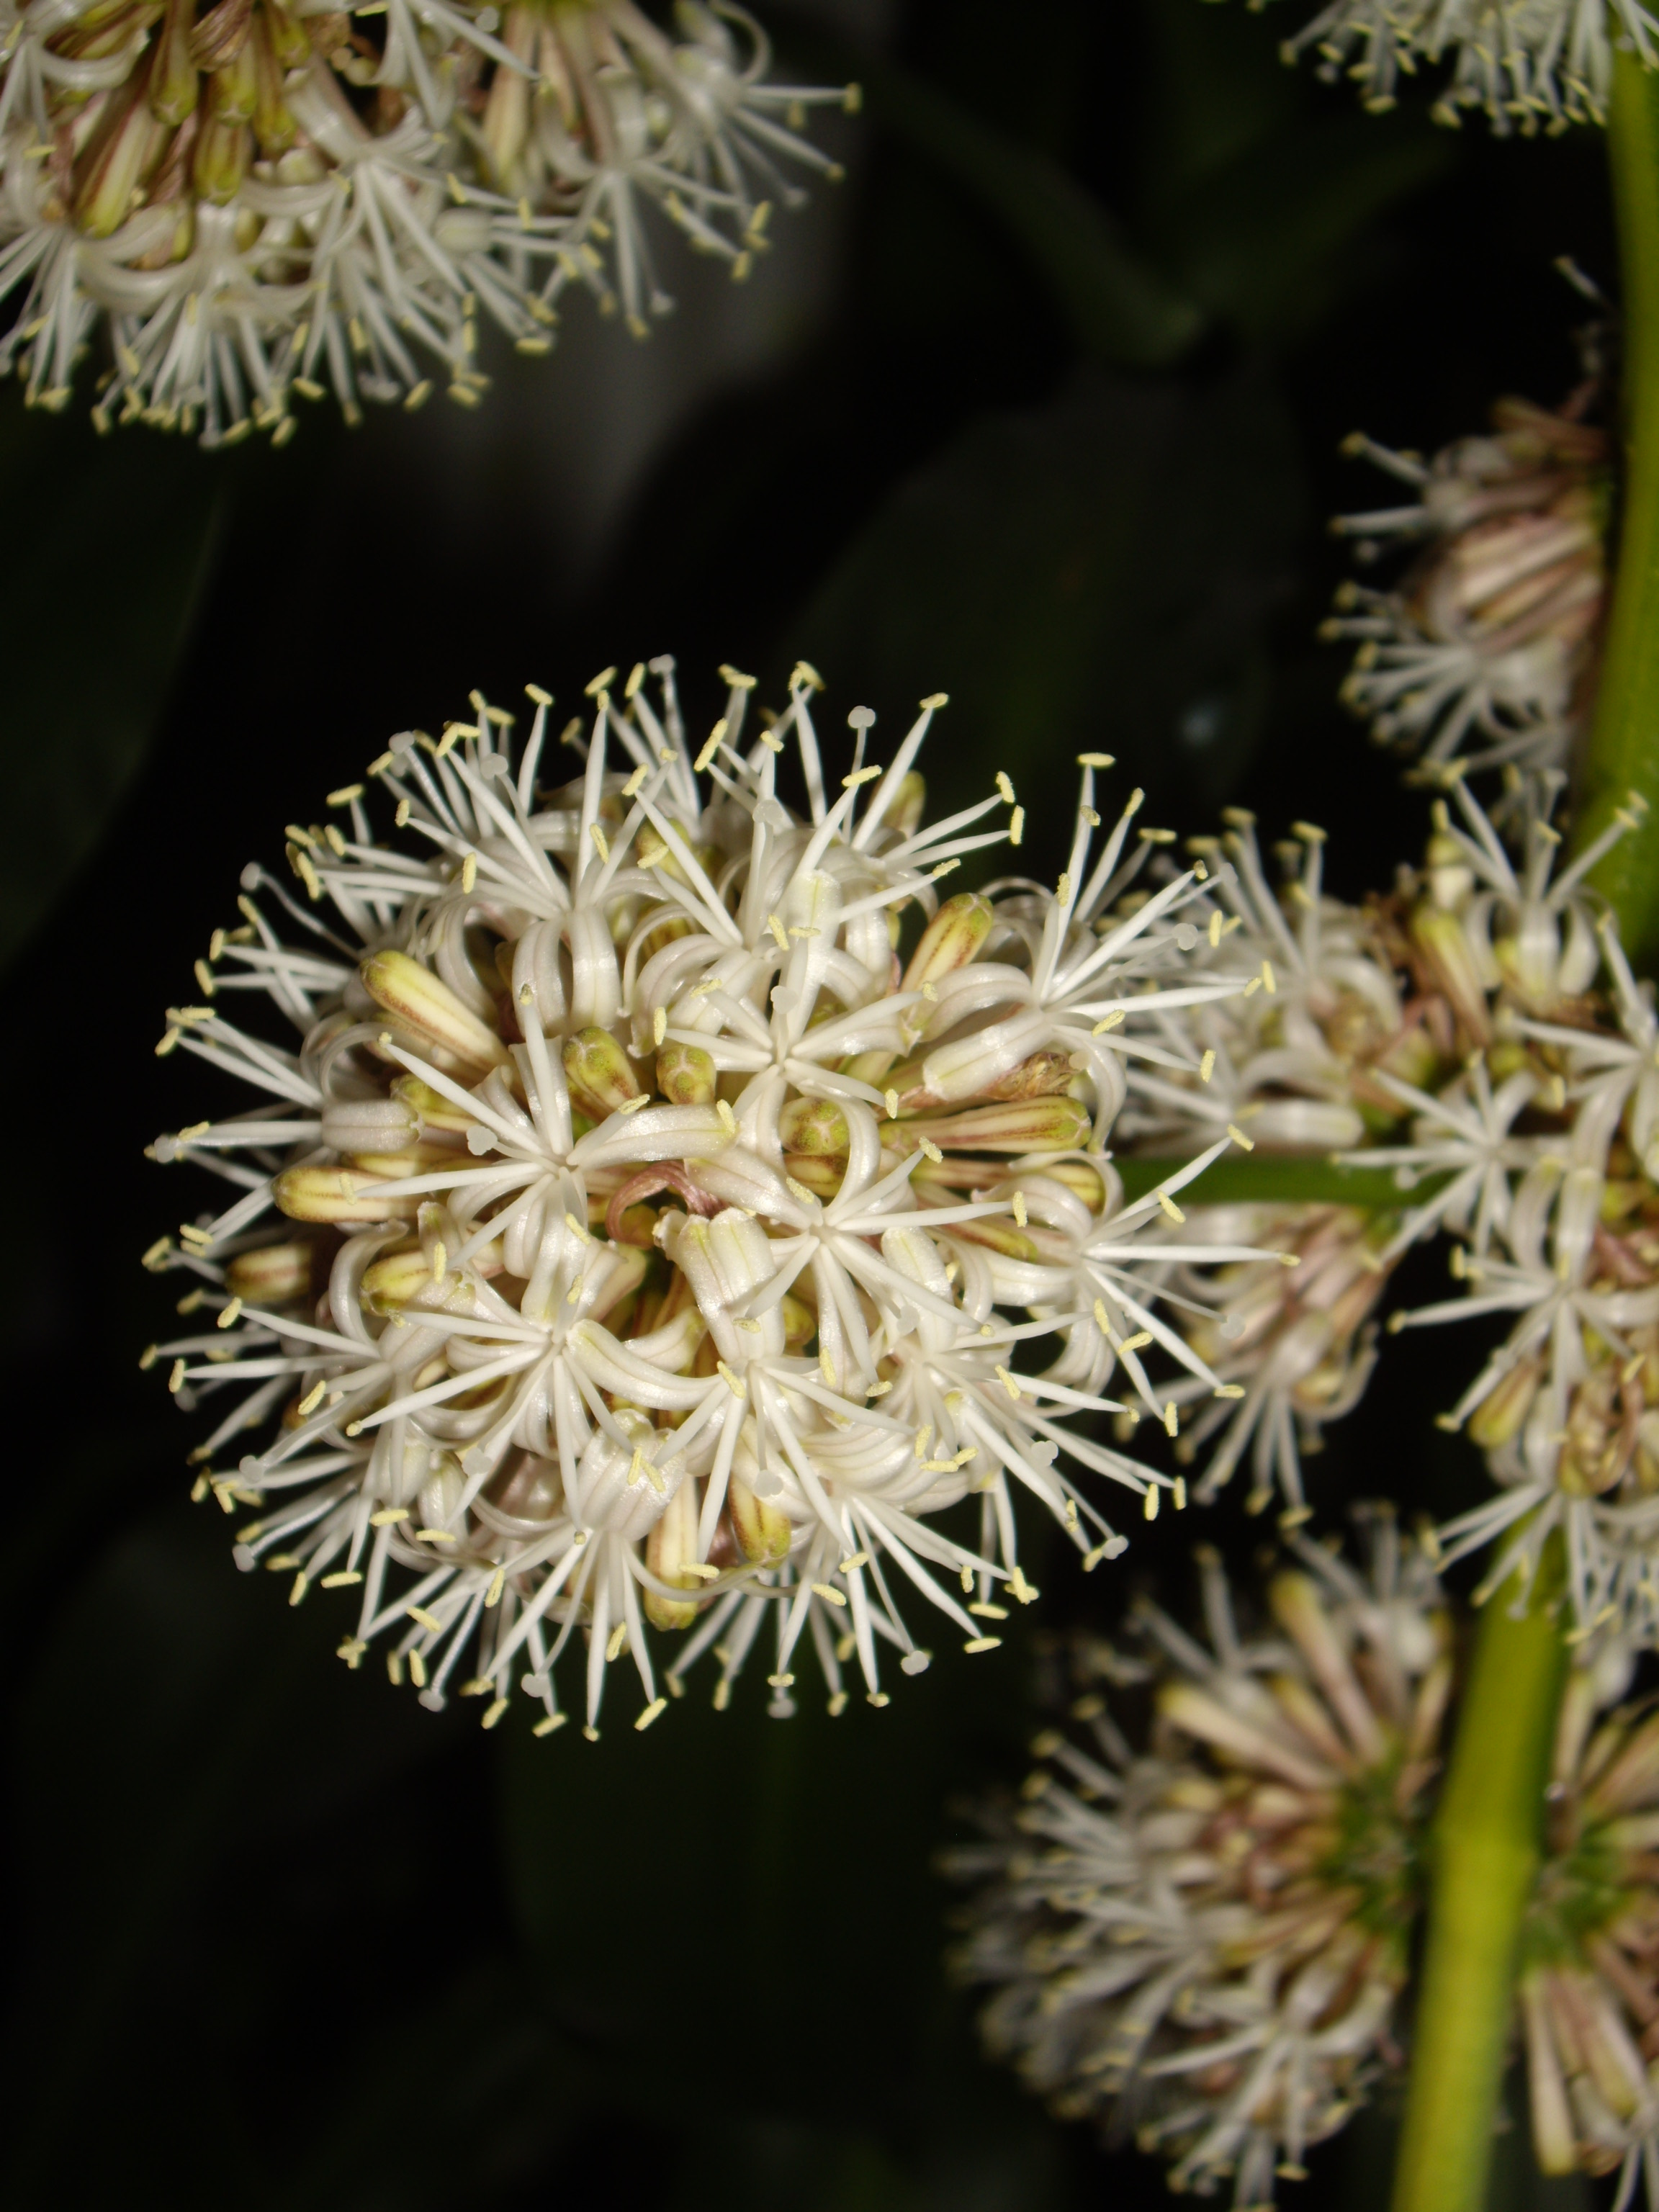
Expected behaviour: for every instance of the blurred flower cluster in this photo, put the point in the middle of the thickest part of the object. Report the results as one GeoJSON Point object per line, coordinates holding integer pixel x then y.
{"type": "Point", "coordinates": [243, 203]}
{"type": "Point", "coordinates": [629, 1234]}
{"type": "Point", "coordinates": [1203, 1943]}
{"type": "Point", "coordinates": [1540, 65]}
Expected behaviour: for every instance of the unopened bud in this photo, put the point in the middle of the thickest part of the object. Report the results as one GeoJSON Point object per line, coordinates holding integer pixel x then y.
{"type": "Point", "coordinates": [221, 35]}
{"type": "Point", "coordinates": [174, 81]}
{"type": "Point", "coordinates": [338, 1195]}
{"type": "Point", "coordinates": [763, 1533]}
{"type": "Point", "coordinates": [460, 1042]}
{"type": "Point", "coordinates": [812, 1125]}
{"type": "Point", "coordinates": [596, 1068]}
{"type": "Point", "coordinates": [1445, 943]}
{"type": "Point", "coordinates": [950, 939]}
{"type": "Point", "coordinates": [673, 1540]}
{"type": "Point", "coordinates": [130, 153]}
{"type": "Point", "coordinates": [1502, 1413]}
{"type": "Point", "coordinates": [223, 150]}
{"type": "Point", "coordinates": [370, 1125]}
{"type": "Point", "coordinates": [431, 1109]}
{"type": "Point", "coordinates": [820, 1173]}
{"type": "Point", "coordinates": [686, 1075]}
{"type": "Point", "coordinates": [275, 1274]}
{"type": "Point", "coordinates": [1030, 1125]}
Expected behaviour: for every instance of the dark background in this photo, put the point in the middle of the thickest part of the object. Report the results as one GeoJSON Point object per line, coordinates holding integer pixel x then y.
{"type": "Point", "coordinates": [1041, 408]}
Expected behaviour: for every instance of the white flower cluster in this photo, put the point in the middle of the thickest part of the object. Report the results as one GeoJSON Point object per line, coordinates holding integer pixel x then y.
{"type": "Point", "coordinates": [1489, 639]}
{"type": "Point", "coordinates": [1589, 1965]}
{"type": "Point", "coordinates": [1204, 1943]}
{"type": "Point", "coordinates": [253, 200]}
{"type": "Point", "coordinates": [1525, 64]}
{"type": "Point", "coordinates": [1480, 1036]}
{"type": "Point", "coordinates": [628, 1237]}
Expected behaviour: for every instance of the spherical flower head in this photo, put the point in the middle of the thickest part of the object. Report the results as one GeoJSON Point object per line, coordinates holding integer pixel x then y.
{"type": "Point", "coordinates": [1539, 65]}
{"type": "Point", "coordinates": [1589, 1969]}
{"type": "Point", "coordinates": [1487, 647]}
{"type": "Point", "coordinates": [1205, 1940]}
{"type": "Point", "coordinates": [667, 1216]}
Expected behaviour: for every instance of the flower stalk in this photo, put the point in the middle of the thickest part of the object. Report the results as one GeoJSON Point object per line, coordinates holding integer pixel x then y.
{"type": "Point", "coordinates": [1485, 1851]}
{"type": "Point", "coordinates": [1623, 752]}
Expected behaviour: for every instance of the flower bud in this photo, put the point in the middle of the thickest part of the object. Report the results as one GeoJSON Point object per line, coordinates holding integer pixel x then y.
{"type": "Point", "coordinates": [812, 1125]}
{"type": "Point", "coordinates": [596, 1068]}
{"type": "Point", "coordinates": [220, 35]}
{"type": "Point", "coordinates": [950, 939]}
{"type": "Point", "coordinates": [174, 81]}
{"type": "Point", "coordinates": [1033, 1125]}
{"type": "Point", "coordinates": [1301, 1125]}
{"type": "Point", "coordinates": [223, 150]}
{"type": "Point", "coordinates": [822, 1173]}
{"type": "Point", "coordinates": [431, 1109]}
{"type": "Point", "coordinates": [1444, 945]}
{"type": "Point", "coordinates": [130, 153]}
{"type": "Point", "coordinates": [1044, 1075]}
{"type": "Point", "coordinates": [1502, 1413]}
{"type": "Point", "coordinates": [276, 1274]}
{"type": "Point", "coordinates": [763, 1532]}
{"type": "Point", "coordinates": [337, 1196]}
{"type": "Point", "coordinates": [671, 1542]}
{"type": "Point", "coordinates": [686, 1075]}
{"type": "Point", "coordinates": [461, 1044]}
{"type": "Point", "coordinates": [370, 1125]}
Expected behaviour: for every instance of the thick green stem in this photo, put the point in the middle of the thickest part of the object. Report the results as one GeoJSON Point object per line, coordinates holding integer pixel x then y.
{"type": "Point", "coordinates": [1484, 1853]}
{"type": "Point", "coordinates": [1623, 753]}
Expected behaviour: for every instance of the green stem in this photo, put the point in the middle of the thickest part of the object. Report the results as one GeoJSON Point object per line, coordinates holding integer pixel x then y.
{"type": "Point", "coordinates": [1483, 1858]}
{"type": "Point", "coordinates": [1623, 753]}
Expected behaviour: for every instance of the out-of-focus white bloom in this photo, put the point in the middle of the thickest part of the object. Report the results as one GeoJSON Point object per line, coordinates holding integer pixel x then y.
{"type": "Point", "coordinates": [1590, 1970]}
{"type": "Point", "coordinates": [1524, 63]}
{"type": "Point", "coordinates": [629, 1240]}
{"type": "Point", "coordinates": [246, 202]}
{"type": "Point", "coordinates": [1489, 641]}
{"type": "Point", "coordinates": [1206, 1942]}
{"type": "Point", "coordinates": [606, 116]}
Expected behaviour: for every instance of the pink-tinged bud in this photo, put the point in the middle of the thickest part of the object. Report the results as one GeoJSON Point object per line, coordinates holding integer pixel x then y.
{"type": "Point", "coordinates": [1444, 945]}
{"type": "Point", "coordinates": [338, 1195]}
{"type": "Point", "coordinates": [223, 150]}
{"type": "Point", "coordinates": [115, 182]}
{"type": "Point", "coordinates": [1187, 1707]}
{"type": "Point", "coordinates": [686, 1075]}
{"type": "Point", "coordinates": [277, 1274]}
{"type": "Point", "coordinates": [812, 1125]}
{"type": "Point", "coordinates": [763, 1533]}
{"type": "Point", "coordinates": [1031, 1125]}
{"type": "Point", "coordinates": [461, 1043]}
{"type": "Point", "coordinates": [174, 81]}
{"type": "Point", "coordinates": [1300, 1611]}
{"type": "Point", "coordinates": [1502, 1412]}
{"type": "Point", "coordinates": [221, 35]}
{"type": "Point", "coordinates": [671, 1542]}
{"type": "Point", "coordinates": [950, 939]}
{"type": "Point", "coordinates": [597, 1070]}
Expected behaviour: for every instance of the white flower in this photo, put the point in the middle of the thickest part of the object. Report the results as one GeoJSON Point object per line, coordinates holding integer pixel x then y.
{"type": "Point", "coordinates": [1491, 634]}
{"type": "Point", "coordinates": [251, 204]}
{"type": "Point", "coordinates": [1524, 63]}
{"type": "Point", "coordinates": [632, 1277]}
{"type": "Point", "coordinates": [605, 115]}
{"type": "Point", "coordinates": [1172, 1942]}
